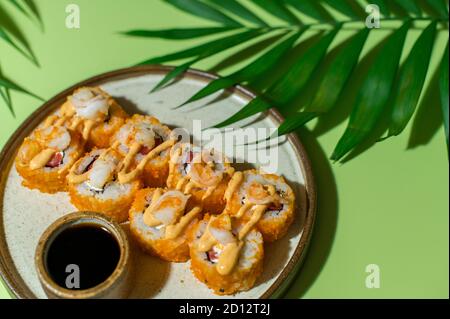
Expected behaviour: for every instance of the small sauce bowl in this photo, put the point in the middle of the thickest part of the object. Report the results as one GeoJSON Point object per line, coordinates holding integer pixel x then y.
{"type": "Point", "coordinates": [117, 285]}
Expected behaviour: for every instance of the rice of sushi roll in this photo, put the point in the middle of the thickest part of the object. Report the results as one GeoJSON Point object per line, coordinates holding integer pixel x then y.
{"type": "Point", "coordinates": [138, 137]}
{"type": "Point", "coordinates": [227, 258]}
{"type": "Point", "coordinates": [94, 186]}
{"type": "Point", "coordinates": [160, 220]}
{"type": "Point", "coordinates": [46, 156]}
{"type": "Point", "coordinates": [251, 190]}
{"type": "Point", "coordinates": [203, 173]}
{"type": "Point", "coordinates": [92, 112]}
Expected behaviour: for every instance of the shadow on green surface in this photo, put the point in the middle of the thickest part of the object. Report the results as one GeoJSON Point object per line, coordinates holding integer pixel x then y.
{"type": "Point", "coordinates": [11, 26]}
{"type": "Point", "coordinates": [5, 96]}
{"type": "Point", "coordinates": [428, 118]}
{"type": "Point", "coordinates": [35, 10]}
{"type": "Point", "coordinates": [326, 218]}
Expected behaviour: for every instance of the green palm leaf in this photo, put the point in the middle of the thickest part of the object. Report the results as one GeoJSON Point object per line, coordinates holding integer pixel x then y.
{"type": "Point", "coordinates": [6, 98]}
{"type": "Point", "coordinates": [373, 94]}
{"type": "Point", "coordinates": [8, 84]}
{"type": "Point", "coordinates": [294, 122]}
{"type": "Point", "coordinates": [439, 6]}
{"type": "Point", "coordinates": [251, 71]}
{"type": "Point", "coordinates": [443, 88]}
{"type": "Point", "coordinates": [10, 41]}
{"type": "Point", "coordinates": [10, 32]}
{"type": "Point", "coordinates": [238, 9]}
{"type": "Point", "coordinates": [177, 34]}
{"type": "Point", "coordinates": [384, 8]}
{"type": "Point", "coordinates": [213, 48]}
{"type": "Point", "coordinates": [177, 71]}
{"type": "Point", "coordinates": [411, 81]}
{"type": "Point", "coordinates": [291, 83]}
{"type": "Point", "coordinates": [296, 78]}
{"type": "Point", "coordinates": [410, 6]}
{"type": "Point", "coordinates": [203, 10]}
{"type": "Point", "coordinates": [309, 8]}
{"type": "Point", "coordinates": [377, 87]}
{"type": "Point", "coordinates": [28, 8]}
{"type": "Point", "coordinates": [256, 106]}
{"type": "Point", "coordinates": [202, 48]}
{"type": "Point", "coordinates": [20, 7]}
{"type": "Point", "coordinates": [336, 77]}
{"type": "Point", "coordinates": [34, 10]}
{"type": "Point", "coordinates": [342, 6]}
{"type": "Point", "coordinates": [277, 9]}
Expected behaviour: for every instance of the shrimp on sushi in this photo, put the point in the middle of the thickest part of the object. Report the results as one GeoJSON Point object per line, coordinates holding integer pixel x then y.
{"type": "Point", "coordinates": [139, 136]}
{"type": "Point", "coordinates": [92, 112]}
{"type": "Point", "coordinates": [265, 197]}
{"type": "Point", "coordinates": [94, 186]}
{"type": "Point", "coordinates": [225, 255]}
{"type": "Point", "coordinates": [46, 156]}
{"type": "Point", "coordinates": [203, 173]}
{"type": "Point", "coordinates": [160, 220]}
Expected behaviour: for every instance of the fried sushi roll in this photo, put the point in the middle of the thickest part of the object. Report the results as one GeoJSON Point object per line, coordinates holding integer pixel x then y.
{"type": "Point", "coordinates": [160, 220]}
{"type": "Point", "coordinates": [266, 197]}
{"type": "Point", "coordinates": [227, 258]}
{"type": "Point", "coordinates": [138, 137]}
{"type": "Point", "coordinates": [94, 186]}
{"type": "Point", "coordinates": [92, 112]}
{"type": "Point", "coordinates": [46, 156]}
{"type": "Point", "coordinates": [202, 173]}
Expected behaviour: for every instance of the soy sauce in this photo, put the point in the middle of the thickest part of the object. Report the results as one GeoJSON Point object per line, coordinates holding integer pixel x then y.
{"type": "Point", "coordinates": [91, 248]}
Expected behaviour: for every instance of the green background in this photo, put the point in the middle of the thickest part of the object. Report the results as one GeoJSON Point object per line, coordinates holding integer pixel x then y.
{"type": "Point", "coordinates": [388, 206]}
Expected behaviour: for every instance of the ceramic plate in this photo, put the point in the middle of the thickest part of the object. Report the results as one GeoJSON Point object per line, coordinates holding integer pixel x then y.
{"type": "Point", "coordinates": [25, 214]}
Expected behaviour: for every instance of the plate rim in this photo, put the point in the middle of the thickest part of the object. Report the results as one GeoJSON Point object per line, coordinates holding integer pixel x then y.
{"type": "Point", "coordinates": [14, 282]}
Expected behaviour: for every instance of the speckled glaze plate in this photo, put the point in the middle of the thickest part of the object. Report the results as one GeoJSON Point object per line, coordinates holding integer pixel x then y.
{"type": "Point", "coordinates": [25, 214]}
